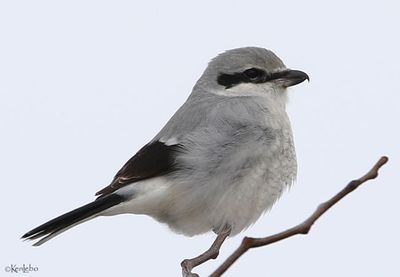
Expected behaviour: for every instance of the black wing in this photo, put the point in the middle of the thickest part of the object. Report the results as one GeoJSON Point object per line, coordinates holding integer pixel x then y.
{"type": "Point", "coordinates": [154, 159]}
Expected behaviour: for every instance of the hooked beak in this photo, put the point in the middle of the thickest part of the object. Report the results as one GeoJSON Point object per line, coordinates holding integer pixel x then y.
{"type": "Point", "coordinates": [290, 77]}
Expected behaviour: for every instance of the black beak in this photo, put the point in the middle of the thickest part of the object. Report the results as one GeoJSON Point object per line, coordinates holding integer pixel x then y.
{"type": "Point", "coordinates": [290, 77]}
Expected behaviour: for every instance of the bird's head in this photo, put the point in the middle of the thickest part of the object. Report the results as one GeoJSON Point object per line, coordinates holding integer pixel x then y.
{"type": "Point", "coordinates": [249, 71]}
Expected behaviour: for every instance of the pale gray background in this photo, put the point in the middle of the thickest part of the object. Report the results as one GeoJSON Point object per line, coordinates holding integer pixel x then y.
{"type": "Point", "coordinates": [84, 84]}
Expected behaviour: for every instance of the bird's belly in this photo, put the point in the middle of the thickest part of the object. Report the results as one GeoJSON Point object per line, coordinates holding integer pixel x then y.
{"type": "Point", "coordinates": [235, 203]}
{"type": "Point", "coordinates": [248, 198]}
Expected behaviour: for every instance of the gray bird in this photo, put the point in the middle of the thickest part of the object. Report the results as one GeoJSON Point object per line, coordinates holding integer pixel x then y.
{"type": "Point", "coordinates": [220, 162]}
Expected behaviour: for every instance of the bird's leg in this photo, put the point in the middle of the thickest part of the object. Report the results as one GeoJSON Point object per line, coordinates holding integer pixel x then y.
{"type": "Point", "coordinates": [212, 253]}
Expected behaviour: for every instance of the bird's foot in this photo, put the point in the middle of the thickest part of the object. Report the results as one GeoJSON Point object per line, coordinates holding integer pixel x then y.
{"type": "Point", "coordinates": [212, 253]}
{"type": "Point", "coordinates": [187, 267]}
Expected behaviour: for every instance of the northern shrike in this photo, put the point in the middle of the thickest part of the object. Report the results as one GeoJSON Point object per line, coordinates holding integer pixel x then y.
{"type": "Point", "coordinates": [222, 160]}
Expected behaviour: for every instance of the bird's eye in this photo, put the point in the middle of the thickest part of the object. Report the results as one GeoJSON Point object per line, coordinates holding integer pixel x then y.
{"type": "Point", "coordinates": [253, 73]}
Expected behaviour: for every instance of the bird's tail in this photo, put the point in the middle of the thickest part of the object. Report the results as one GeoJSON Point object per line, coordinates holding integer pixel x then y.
{"type": "Point", "coordinates": [62, 223]}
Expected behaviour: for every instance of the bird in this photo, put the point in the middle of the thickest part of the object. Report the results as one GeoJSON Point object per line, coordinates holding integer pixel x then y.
{"type": "Point", "coordinates": [219, 163]}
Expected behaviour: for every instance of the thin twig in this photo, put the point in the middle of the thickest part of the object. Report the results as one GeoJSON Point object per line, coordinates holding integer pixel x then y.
{"type": "Point", "coordinates": [304, 227]}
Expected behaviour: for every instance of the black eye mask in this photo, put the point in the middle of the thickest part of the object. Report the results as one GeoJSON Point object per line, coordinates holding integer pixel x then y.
{"type": "Point", "coordinates": [252, 75]}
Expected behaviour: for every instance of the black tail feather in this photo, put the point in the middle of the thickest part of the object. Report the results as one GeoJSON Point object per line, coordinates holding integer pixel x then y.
{"type": "Point", "coordinates": [73, 217]}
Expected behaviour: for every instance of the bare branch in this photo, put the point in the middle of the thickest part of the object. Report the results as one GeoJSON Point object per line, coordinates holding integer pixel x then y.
{"type": "Point", "coordinates": [304, 227]}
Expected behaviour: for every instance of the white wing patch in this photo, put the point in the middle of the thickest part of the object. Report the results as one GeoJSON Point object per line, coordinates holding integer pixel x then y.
{"type": "Point", "coordinates": [169, 141]}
